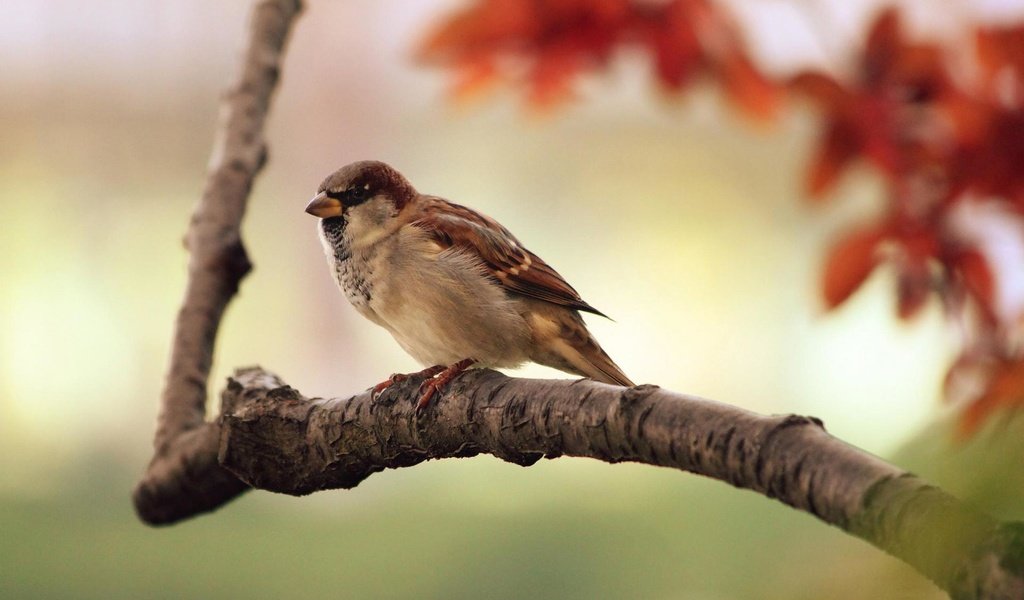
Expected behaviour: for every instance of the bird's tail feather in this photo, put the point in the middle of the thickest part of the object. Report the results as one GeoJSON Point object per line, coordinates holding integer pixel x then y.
{"type": "Point", "coordinates": [602, 367]}
{"type": "Point", "coordinates": [565, 343]}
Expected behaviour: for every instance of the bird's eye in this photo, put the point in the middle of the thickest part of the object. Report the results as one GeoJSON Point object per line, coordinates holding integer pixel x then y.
{"type": "Point", "coordinates": [357, 195]}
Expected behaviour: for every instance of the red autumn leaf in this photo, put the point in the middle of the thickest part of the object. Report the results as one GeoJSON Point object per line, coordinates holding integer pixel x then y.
{"type": "Point", "coordinates": [919, 247]}
{"type": "Point", "coordinates": [919, 244]}
{"type": "Point", "coordinates": [547, 44]}
{"type": "Point", "coordinates": [884, 43]}
{"type": "Point", "coordinates": [973, 268]}
{"type": "Point", "coordinates": [913, 284]}
{"type": "Point", "coordinates": [837, 148]}
{"type": "Point", "coordinates": [544, 44]}
{"type": "Point", "coordinates": [970, 368]}
{"type": "Point", "coordinates": [1005, 389]}
{"type": "Point", "coordinates": [676, 49]}
{"type": "Point", "coordinates": [992, 167]}
{"type": "Point", "coordinates": [934, 142]}
{"type": "Point", "coordinates": [473, 29]}
{"type": "Point", "coordinates": [822, 89]}
{"type": "Point", "coordinates": [551, 77]}
{"type": "Point", "coordinates": [748, 89]}
{"type": "Point", "coordinates": [674, 62]}
{"type": "Point", "coordinates": [473, 79]}
{"type": "Point", "coordinates": [892, 113]}
{"type": "Point", "coordinates": [849, 263]}
{"type": "Point", "coordinates": [878, 128]}
{"type": "Point", "coordinates": [999, 48]}
{"type": "Point", "coordinates": [973, 416]}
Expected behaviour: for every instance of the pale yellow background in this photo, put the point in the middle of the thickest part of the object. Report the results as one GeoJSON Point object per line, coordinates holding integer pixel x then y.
{"type": "Point", "coordinates": [680, 219]}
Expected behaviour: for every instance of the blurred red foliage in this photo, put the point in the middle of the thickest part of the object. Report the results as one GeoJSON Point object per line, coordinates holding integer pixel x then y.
{"type": "Point", "coordinates": [546, 44]}
{"type": "Point", "coordinates": [939, 139]}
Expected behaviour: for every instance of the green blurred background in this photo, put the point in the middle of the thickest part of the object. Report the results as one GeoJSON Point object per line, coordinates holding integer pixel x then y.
{"type": "Point", "coordinates": [679, 219]}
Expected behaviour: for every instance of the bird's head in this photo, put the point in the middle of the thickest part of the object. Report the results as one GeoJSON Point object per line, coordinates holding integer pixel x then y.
{"type": "Point", "coordinates": [366, 194]}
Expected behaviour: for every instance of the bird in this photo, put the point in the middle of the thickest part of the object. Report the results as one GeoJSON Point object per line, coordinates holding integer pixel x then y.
{"type": "Point", "coordinates": [453, 286]}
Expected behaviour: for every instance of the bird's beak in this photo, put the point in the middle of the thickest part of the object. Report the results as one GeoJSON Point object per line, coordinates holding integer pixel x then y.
{"type": "Point", "coordinates": [324, 207]}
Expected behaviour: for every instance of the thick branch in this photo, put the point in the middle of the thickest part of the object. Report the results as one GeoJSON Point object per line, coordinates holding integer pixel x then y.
{"type": "Point", "coordinates": [217, 265]}
{"type": "Point", "coordinates": [274, 438]}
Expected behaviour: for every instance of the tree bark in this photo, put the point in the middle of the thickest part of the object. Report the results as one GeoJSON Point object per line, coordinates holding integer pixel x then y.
{"type": "Point", "coordinates": [273, 438]}
{"type": "Point", "coordinates": [183, 477]}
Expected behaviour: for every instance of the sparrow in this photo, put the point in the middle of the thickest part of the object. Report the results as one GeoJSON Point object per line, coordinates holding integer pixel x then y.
{"type": "Point", "coordinates": [452, 286]}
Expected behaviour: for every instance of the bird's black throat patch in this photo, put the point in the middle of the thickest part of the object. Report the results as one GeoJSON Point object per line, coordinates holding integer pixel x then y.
{"type": "Point", "coordinates": [349, 276]}
{"type": "Point", "coordinates": [334, 233]}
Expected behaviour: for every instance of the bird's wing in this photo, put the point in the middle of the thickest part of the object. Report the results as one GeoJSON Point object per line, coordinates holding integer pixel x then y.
{"type": "Point", "coordinates": [508, 262]}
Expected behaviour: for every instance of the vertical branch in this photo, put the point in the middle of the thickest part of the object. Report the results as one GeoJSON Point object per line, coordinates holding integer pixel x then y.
{"type": "Point", "coordinates": [217, 264]}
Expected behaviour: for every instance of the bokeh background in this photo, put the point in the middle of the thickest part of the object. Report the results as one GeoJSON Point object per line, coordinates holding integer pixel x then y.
{"type": "Point", "coordinates": [676, 217]}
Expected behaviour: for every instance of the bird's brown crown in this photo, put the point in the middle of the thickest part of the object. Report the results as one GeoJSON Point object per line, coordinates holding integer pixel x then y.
{"type": "Point", "coordinates": [357, 182]}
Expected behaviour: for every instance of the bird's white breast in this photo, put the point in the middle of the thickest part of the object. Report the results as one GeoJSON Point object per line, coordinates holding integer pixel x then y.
{"type": "Point", "coordinates": [353, 269]}
{"type": "Point", "coordinates": [437, 303]}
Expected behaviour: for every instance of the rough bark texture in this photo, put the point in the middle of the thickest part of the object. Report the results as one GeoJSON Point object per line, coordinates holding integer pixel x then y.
{"type": "Point", "coordinates": [273, 438]}
{"type": "Point", "coordinates": [183, 478]}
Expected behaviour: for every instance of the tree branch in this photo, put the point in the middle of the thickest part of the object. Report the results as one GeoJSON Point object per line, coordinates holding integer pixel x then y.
{"type": "Point", "coordinates": [274, 438]}
{"type": "Point", "coordinates": [182, 470]}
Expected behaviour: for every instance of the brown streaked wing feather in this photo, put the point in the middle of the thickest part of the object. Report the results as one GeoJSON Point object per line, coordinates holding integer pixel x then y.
{"type": "Point", "coordinates": [511, 265]}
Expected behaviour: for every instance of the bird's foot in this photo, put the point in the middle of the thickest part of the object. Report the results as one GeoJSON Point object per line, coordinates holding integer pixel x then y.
{"type": "Point", "coordinates": [440, 379]}
{"type": "Point", "coordinates": [400, 377]}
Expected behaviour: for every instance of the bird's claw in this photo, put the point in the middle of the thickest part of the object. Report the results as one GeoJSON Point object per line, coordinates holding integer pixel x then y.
{"type": "Point", "coordinates": [441, 378]}
{"type": "Point", "coordinates": [390, 381]}
{"type": "Point", "coordinates": [427, 391]}
{"type": "Point", "coordinates": [429, 372]}
{"type": "Point", "coordinates": [437, 377]}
